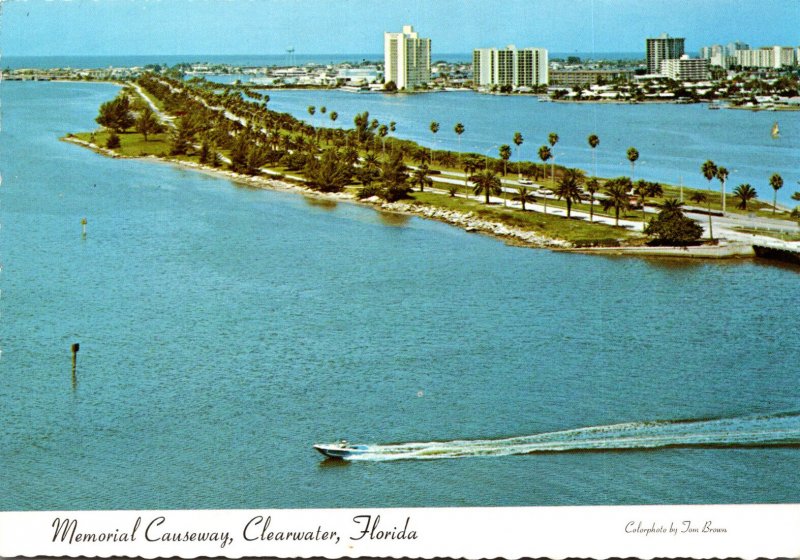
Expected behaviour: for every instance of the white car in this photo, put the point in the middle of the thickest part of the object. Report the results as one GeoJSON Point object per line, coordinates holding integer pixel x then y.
{"type": "Point", "coordinates": [525, 182]}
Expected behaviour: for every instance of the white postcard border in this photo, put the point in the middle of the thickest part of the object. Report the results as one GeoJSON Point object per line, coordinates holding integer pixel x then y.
{"type": "Point", "coordinates": [698, 531]}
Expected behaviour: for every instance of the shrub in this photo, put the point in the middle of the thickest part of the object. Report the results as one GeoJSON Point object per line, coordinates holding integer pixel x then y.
{"type": "Point", "coordinates": [368, 190]}
{"type": "Point", "coordinates": [113, 141]}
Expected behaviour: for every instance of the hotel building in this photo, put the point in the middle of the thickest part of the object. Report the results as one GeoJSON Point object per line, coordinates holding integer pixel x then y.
{"type": "Point", "coordinates": [510, 67]}
{"type": "Point", "coordinates": [767, 57]}
{"type": "Point", "coordinates": [685, 69]}
{"type": "Point", "coordinates": [407, 59]}
{"type": "Point", "coordinates": [661, 48]}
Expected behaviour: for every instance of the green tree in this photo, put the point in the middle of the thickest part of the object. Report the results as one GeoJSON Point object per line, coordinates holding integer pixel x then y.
{"type": "Point", "coordinates": [722, 175]}
{"type": "Point", "coordinates": [776, 182]}
{"type": "Point", "coordinates": [518, 140]}
{"type": "Point", "coordinates": [633, 155]}
{"type": "Point", "coordinates": [523, 195]}
{"type": "Point", "coordinates": [744, 193]}
{"type": "Point", "coordinates": [569, 188]}
{"type": "Point", "coordinates": [644, 189]}
{"type": "Point", "coordinates": [147, 123]}
{"type": "Point", "coordinates": [594, 141]}
{"type": "Point", "coordinates": [328, 173]}
{"type": "Point", "coordinates": [333, 116]}
{"type": "Point", "coordinates": [671, 227]}
{"type": "Point", "coordinates": [552, 138]}
{"type": "Point", "coordinates": [419, 177]}
{"type": "Point", "coordinates": [383, 131]}
{"type": "Point", "coordinates": [505, 154]}
{"type": "Point", "coordinates": [434, 129]}
{"type": "Point", "coordinates": [470, 165]}
{"type": "Point", "coordinates": [592, 186]}
{"type": "Point", "coordinates": [545, 154]}
{"type": "Point", "coordinates": [486, 182]}
{"type": "Point", "coordinates": [617, 197]}
{"type": "Point", "coordinates": [113, 141]}
{"type": "Point", "coordinates": [459, 130]}
{"type": "Point", "coordinates": [116, 114]}
{"type": "Point", "coordinates": [700, 198]}
{"type": "Point", "coordinates": [394, 176]}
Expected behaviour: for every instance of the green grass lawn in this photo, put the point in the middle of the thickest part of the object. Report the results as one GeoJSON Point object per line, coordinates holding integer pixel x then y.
{"type": "Point", "coordinates": [132, 144]}
{"type": "Point", "coordinates": [579, 232]}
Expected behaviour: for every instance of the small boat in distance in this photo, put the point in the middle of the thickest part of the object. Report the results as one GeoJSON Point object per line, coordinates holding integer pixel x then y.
{"type": "Point", "coordinates": [776, 131]}
{"type": "Point", "coordinates": [340, 450]}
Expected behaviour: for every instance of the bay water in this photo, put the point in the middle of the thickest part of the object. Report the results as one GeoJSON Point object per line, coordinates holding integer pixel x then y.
{"type": "Point", "coordinates": [673, 140]}
{"type": "Point", "coordinates": [223, 330]}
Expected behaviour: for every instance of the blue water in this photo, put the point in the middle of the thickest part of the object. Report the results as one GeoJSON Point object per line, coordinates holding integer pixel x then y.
{"type": "Point", "coordinates": [224, 330]}
{"type": "Point", "coordinates": [673, 140]}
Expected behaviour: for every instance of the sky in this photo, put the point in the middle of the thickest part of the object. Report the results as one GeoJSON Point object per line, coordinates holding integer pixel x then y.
{"type": "Point", "coordinates": [144, 27]}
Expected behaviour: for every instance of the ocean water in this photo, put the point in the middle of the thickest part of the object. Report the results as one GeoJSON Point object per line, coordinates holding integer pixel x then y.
{"type": "Point", "coordinates": [223, 330]}
{"type": "Point", "coordinates": [673, 140]}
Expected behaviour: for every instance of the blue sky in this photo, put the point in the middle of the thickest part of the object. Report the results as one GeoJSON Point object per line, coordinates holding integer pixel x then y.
{"type": "Point", "coordinates": [107, 27]}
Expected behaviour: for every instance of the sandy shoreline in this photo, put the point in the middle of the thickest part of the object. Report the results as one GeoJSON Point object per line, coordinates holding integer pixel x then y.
{"type": "Point", "coordinates": [464, 220]}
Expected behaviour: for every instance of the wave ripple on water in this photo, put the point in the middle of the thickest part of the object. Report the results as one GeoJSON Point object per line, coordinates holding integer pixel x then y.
{"type": "Point", "coordinates": [752, 431]}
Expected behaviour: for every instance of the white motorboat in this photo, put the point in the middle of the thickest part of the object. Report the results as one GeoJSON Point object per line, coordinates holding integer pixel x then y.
{"type": "Point", "coordinates": [340, 450]}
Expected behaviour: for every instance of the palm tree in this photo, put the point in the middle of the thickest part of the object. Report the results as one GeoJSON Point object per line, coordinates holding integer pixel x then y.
{"type": "Point", "coordinates": [796, 196]}
{"type": "Point", "coordinates": [518, 140]}
{"type": "Point", "coordinates": [459, 130]}
{"type": "Point", "coordinates": [700, 198]}
{"type": "Point", "coordinates": [569, 188]}
{"type": "Point", "coordinates": [420, 178]}
{"type": "Point", "coordinates": [776, 182]}
{"type": "Point", "coordinates": [633, 155]}
{"type": "Point", "coordinates": [486, 182]}
{"type": "Point", "coordinates": [545, 154]}
{"type": "Point", "coordinates": [672, 205]}
{"type": "Point", "coordinates": [592, 186]}
{"type": "Point", "coordinates": [505, 154]}
{"type": "Point", "coordinates": [470, 166]}
{"type": "Point", "coordinates": [744, 193]}
{"type": "Point", "coordinates": [552, 138]}
{"type": "Point", "coordinates": [617, 196]}
{"type": "Point", "coordinates": [523, 195]}
{"type": "Point", "coordinates": [434, 129]}
{"type": "Point", "coordinates": [383, 130]}
{"type": "Point", "coordinates": [594, 141]}
{"type": "Point", "coordinates": [334, 115]}
{"type": "Point", "coordinates": [645, 189]}
{"type": "Point", "coordinates": [722, 175]}
{"type": "Point", "coordinates": [709, 170]}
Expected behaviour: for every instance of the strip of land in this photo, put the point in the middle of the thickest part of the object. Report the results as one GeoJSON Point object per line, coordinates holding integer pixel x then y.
{"type": "Point", "coordinates": [216, 128]}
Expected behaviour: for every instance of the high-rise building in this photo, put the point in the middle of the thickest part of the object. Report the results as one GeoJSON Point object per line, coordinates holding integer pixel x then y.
{"type": "Point", "coordinates": [685, 68]}
{"type": "Point", "coordinates": [510, 67]}
{"type": "Point", "coordinates": [767, 57]}
{"type": "Point", "coordinates": [661, 48]}
{"type": "Point", "coordinates": [407, 58]}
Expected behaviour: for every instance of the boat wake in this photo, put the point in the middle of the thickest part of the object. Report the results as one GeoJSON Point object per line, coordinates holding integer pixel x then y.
{"type": "Point", "coordinates": [778, 430]}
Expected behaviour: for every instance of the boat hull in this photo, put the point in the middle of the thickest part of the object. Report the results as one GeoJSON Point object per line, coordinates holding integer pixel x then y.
{"type": "Point", "coordinates": [336, 451]}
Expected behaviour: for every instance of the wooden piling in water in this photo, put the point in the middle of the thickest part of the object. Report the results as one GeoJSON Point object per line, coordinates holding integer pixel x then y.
{"type": "Point", "coordinates": [75, 347]}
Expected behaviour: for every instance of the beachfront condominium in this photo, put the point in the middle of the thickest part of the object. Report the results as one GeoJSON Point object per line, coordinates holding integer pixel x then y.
{"type": "Point", "coordinates": [661, 48]}
{"type": "Point", "coordinates": [407, 59]}
{"type": "Point", "coordinates": [685, 68]}
{"type": "Point", "coordinates": [510, 67]}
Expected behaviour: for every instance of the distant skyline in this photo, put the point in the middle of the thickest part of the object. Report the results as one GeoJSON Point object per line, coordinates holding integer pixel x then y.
{"type": "Point", "coordinates": [218, 27]}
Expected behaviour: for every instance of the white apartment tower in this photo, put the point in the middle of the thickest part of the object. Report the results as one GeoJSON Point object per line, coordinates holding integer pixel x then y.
{"type": "Point", "coordinates": [407, 58]}
{"type": "Point", "coordinates": [661, 48]}
{"type": "Point", "coordinates": [510, 67]}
